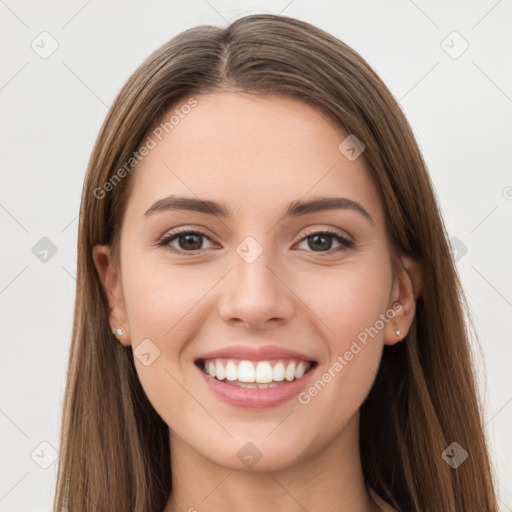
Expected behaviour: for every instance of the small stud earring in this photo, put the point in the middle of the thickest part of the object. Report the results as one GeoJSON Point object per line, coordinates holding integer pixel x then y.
{"type": "Point", "coordinates": [398, 333]}
{"type": "Point", "coordinates": [118, 332]}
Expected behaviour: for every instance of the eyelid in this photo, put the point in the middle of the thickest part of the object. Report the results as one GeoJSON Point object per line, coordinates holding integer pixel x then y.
{"type": "Point", "coordinates": [168, 236]}
{"type": "Point", "coordinates": [329, 230]}
{"type": "Point", "coordinates": [346, 242]}
{"type": "Point", "coordinates": [346, 239]}
{"type": "Point", "coordinates": [186, 229]}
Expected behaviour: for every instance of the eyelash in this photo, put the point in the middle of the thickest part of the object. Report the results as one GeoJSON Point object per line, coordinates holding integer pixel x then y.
{"type": "Point", "coordinates": [166, 240]}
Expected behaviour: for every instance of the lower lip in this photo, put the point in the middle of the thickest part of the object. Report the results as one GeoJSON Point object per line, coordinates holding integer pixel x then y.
{"type": "Point", "coordinates": [256, 398]}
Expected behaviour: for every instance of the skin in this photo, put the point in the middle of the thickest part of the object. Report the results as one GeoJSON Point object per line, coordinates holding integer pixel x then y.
{"type": "Point", "coordinates": [256, 155]}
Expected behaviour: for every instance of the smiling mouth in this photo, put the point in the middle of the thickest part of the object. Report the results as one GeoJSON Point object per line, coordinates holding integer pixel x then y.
{"type": "Point", "coordinates": [255, 374]}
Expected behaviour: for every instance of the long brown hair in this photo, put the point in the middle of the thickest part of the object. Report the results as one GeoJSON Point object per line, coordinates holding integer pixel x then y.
{"type": "Point", "coordinates": [114, 446]}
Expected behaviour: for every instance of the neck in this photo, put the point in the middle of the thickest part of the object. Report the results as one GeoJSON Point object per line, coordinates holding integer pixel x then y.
{"type": "Point", "coordinates": [332, 479]}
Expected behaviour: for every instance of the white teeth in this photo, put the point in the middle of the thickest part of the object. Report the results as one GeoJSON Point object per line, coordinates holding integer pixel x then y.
{"type": "Point", "coordinates": [289, 374]}
{"type": "Point", "coordinates": [231, 371]}
{"type": "Point", "coordinates": [249, 385]}
{"type": "Point", "coordinates": [300, 370]}
{"type": "Point", "coordinates": [264, 373]}
{"type": "Point", "coordinates": [246, 372]}
{"type": "Point", "coordinates": [260, 373]}
{"type": "Point", "coordinates": [220, 372]}
{"type": "Point", "coordinates": [211, 368]}
{"type": "Point", "coordinates": [278, 372]}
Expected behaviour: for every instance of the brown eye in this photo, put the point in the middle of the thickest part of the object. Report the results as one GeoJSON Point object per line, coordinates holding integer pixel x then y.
{"type": "Point", "coordinates": [187, 241]}
{"type": "Point", "coordinates": [322, 241]}
{"type": "Point", "coordinates": [190, 241]}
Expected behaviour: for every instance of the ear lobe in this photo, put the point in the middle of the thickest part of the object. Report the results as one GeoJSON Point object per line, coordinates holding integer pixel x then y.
{"type": "Point", "coordinates": [406, 290]}
{"type": "Point", "coordinates": [109, 276]}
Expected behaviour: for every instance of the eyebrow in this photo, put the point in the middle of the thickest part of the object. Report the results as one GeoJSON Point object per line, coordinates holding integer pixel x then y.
{"type": "Point", "coordinates": [294, 209]}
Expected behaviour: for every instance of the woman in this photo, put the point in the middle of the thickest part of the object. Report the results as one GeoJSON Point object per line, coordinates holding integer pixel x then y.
{"type": "Point", "coordinates": [267, 313]}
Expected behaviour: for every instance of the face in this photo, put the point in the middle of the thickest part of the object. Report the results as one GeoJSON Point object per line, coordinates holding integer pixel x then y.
{"type": "Point", "coordinates": [258, 319]}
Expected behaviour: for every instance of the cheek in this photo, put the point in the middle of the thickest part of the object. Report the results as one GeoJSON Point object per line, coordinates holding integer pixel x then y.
{"type": "Point", "coordinates": [160, 298]}
{"type": "Point", "coordinates": [165, 306]}
{"type": "Point", "coordinates": [349, 303]}
{"type": "Point", "coordinates": [346, 299]}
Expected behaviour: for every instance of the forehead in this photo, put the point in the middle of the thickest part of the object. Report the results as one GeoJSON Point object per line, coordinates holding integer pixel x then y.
{"type": "Point", "coordinates": [254, 153]}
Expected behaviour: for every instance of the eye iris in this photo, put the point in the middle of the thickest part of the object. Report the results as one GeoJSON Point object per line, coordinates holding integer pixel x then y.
{"type": "Point", "coordinates": [193, 241]}
{"type": "Point", "coordinates": [321, 246]}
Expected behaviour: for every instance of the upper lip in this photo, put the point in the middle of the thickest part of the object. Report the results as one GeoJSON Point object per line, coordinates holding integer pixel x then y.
{"type": "Point", "coordinates": [255, 354]}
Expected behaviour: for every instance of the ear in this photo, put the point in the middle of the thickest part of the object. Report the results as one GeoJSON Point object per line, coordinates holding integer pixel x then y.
{"type": "Point", "coordinates": [405, 291]}
{"type": "Point", "coordinates": [110, 278]}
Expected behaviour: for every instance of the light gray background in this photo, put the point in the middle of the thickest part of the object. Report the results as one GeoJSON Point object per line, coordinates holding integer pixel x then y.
{"type": "Point", "coordinates": [52, 108]}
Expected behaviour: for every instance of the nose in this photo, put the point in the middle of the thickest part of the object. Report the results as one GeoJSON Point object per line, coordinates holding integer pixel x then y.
{"type": "Point", "coordinates": [256, 295]}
